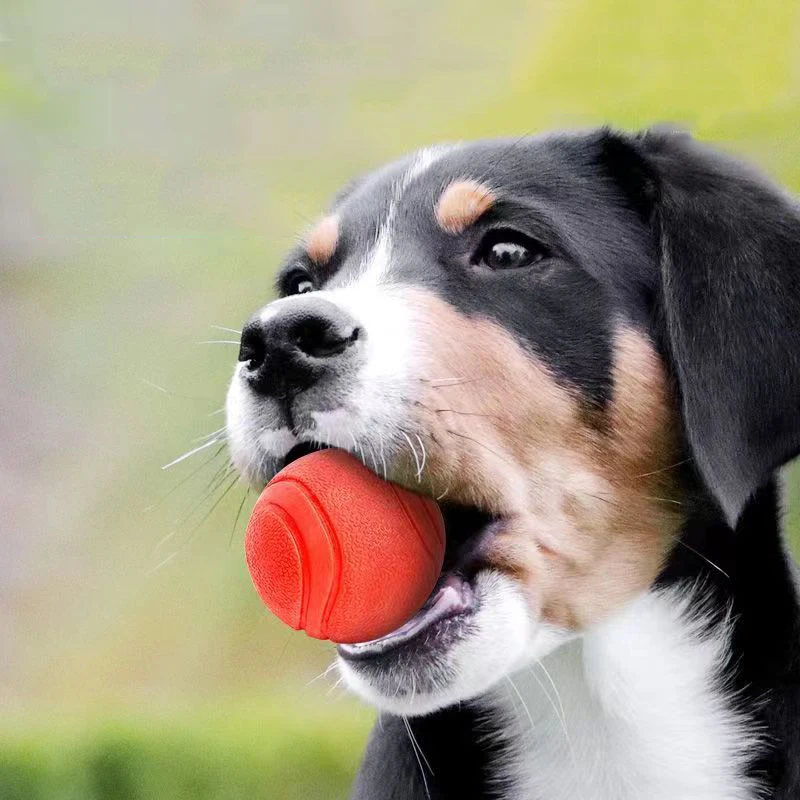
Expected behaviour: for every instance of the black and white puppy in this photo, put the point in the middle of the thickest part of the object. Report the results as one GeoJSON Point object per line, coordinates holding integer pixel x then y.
{"type": "Point", "coordinates": [585, 346]}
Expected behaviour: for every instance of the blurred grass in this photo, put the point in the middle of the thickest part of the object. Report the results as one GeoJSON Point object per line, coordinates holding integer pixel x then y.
{"type": "Point", "coordinates": [156, 159]}
{"type": "Point", "coordinates": [255, 751]}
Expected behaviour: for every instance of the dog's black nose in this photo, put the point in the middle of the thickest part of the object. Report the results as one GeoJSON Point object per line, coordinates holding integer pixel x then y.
{"type": "Point", "coordinates": [296, 346]}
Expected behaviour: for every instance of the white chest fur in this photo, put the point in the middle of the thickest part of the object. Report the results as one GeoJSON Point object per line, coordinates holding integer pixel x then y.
{"type": "Point", "coordinates": [635, 710]}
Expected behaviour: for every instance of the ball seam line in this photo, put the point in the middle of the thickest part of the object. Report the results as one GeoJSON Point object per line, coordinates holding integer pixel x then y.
{"type": "Point", "coordinates": [437, 523]}
{"type": "Point", "coordinates": [299, 544]}
{"type": "Point", "coordinates": [422, 539]}
{"type": "Point", "coordinates": [334, 549]}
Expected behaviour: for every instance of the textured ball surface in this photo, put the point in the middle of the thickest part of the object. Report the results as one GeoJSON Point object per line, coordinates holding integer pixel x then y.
{"type": "Point", "coordinates": [339, 553]}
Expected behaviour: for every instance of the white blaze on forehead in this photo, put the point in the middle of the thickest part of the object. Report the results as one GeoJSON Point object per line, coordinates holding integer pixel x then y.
{"type": "Point", "coordinates": [375, 266]}
{"type": "Point", "coordinates": [422, 161]}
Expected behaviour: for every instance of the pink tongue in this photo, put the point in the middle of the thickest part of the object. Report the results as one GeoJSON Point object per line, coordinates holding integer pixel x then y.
{"type": "Point", "coordinates": [452, 597]}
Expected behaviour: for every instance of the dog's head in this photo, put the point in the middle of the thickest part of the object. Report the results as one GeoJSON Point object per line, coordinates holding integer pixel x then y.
{"type": "Point", "coordinates": [555, 337]}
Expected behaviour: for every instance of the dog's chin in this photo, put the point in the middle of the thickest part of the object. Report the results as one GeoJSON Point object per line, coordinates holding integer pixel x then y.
{"type": "Point", "coordinates": [467, 638]}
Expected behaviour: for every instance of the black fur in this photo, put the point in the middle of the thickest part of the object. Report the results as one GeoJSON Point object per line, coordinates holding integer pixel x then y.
{"type": "Point", "coordinates": [729, 244]}
{"type": "Point", "coordinates": [461, 751]}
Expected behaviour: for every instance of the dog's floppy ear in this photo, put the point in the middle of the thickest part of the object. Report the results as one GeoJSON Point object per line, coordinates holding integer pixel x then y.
{"type": "Point", "coordinates": [728, 245]}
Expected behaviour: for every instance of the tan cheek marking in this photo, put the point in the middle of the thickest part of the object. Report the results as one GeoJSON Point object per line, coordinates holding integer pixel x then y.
{"type": "Point", "coordinates": [620, 545]}
{"type": "Point", "coordinates": [590, 516]}
{"type": "Point", "coordinates": [643, 413]}
{"type": "Point", "coordinates": [487, 405]}
{"type": "Point", "coordinates": [462, 204]}
{"type": "Point", "coordinates": [321, 240]}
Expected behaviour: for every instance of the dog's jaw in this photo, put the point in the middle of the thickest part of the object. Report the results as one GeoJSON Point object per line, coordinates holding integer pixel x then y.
{"type": "Point", "coordinates": [498, 638]}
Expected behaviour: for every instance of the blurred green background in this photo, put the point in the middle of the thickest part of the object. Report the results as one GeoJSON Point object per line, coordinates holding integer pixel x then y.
{"type": "Point", "coordinates": [157, 157]}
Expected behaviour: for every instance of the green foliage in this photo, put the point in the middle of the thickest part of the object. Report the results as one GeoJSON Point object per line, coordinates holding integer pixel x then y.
{"type": "Point", "coordinates": [287, 750]}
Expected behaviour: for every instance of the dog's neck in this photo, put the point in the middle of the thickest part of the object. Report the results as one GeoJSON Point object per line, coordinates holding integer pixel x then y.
{"type": "Point", "coordinates": [651, 702]}
{"type": "Point", "coordinates": [635, 708]}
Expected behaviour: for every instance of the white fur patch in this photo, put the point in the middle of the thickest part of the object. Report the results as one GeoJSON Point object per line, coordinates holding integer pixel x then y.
{"type": "Point", "coordinates": [376, 406]}
{"type": "Point", "coordinates": [375, 266]}
{"type": "Point", "coordinates": [634, 710]}
{"type": "Point", "coordinates": [278, 440]}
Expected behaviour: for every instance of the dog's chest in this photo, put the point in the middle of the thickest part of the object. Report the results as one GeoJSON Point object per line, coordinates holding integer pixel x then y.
{"type": "Point", "coordinates": [633, 711]}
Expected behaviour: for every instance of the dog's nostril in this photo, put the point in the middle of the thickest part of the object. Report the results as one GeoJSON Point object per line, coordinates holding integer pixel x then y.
{"type": "Point", "coordinates": [299, 344]}
{"type": "Point", "coordinates": [253, 348]}
{"type": "Point", "coordinates": [319, 337]}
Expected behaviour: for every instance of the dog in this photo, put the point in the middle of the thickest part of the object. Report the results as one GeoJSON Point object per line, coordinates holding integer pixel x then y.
{"type": "Point", "coordinates": [585, 346]}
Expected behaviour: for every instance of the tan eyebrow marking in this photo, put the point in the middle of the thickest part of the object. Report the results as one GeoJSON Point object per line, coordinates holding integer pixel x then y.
{"type": "Point", "coordinates": [321, 240]}
{"type": "Point", "coordinates": [462, 203]}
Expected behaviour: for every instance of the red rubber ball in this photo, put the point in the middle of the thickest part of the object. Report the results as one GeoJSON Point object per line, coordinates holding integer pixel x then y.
{"type": "Point", "coordinates": [339, 553]}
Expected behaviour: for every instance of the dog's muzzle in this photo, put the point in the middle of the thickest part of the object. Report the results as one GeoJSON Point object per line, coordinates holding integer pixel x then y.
{"type": "Point", "coordinates": [290, 348]}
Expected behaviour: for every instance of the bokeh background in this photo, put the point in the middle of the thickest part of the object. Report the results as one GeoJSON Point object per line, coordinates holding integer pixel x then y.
{"type": "Point", "coordinates": [156, 157]}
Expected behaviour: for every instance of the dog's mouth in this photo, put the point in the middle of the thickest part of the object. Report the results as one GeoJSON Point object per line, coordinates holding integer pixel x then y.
{"type": "Point", "coordinates": [446, 614]}
{"type": "Point", "coordinates": [453, 600]}
{"type": "Point", "coordinates": [299, 450]}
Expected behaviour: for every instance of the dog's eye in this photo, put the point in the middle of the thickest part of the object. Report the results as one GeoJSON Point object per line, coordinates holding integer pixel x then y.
{"type": "Point", "coordinates": [508, 249]}
{"type": "Point", "coordinates": [298, 282]}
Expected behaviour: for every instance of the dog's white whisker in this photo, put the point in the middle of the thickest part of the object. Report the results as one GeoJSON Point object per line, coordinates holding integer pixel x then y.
{"type": "Point", "coordinates": [663, 469]}
{"type": "Point", "coordinates": [332, 666]}
{"type": "Point", "coordinates": [662, 499]}
{"type": "Point", "coordinates": [524, 705]}
{"type": "Point", "coordinates": [162, 542]}
{"type": "Point", "coordinates": [383, 459]}
{"type": "Point", "coordinates": [418, 754]}
{"type": "Point", "coordinates": [163, 563]}
{"type": "Point", "coordinates": [156, 386]}
{"type": "Point", "coordinates": [559, 711]}
{"type": "Point", "coordinates": [335, 686]}
{"type": "Point", "coordinates": [185, 479]}
{"type": "Point", "coordinates": [227, 330]}
{"type": "Point", "coordinates": [171, 393]}
{"type": "Point", "coordinates": [373, 455]}
{"type": "Point", "coordinates": [355, 442]}
{"type": "Point", "coordinates": [206, 436]}
{"type": "Point", "coordinates": [190, 453]}
{"type": "Point", "coordinates": [414, 452]}
{"type": "Point", "coordinates": [219, 341]}
{"type": "Point", "coordinates": [700, 555]}
{"type": "Point", "coordinates": [539, 663]}
{"type": "Point", "coordinates": [424, 456]}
